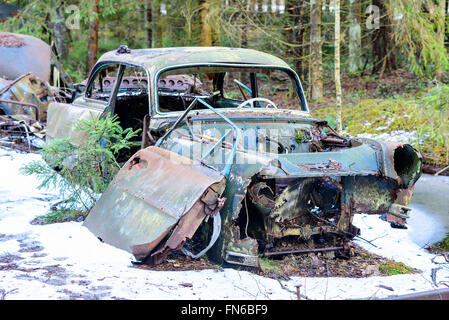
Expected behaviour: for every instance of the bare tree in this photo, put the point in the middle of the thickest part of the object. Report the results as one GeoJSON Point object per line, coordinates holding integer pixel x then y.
{"type": "Point", "coordinates": [315, 60]}
{"type": "Point", "coordinates": [92, 45]}
{"type": "Point", "coordinates": [337, 66]}
{"type": "Point", "coordinates": [156, 32]}
{"type": "Point", "coordinates": [205, 26]}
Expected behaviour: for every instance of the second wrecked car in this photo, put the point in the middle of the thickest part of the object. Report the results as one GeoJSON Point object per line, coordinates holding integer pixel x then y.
{"type": "Point", "coordinates": [231, 162]}
{"type": "Point", "coordinates": [30, 78]}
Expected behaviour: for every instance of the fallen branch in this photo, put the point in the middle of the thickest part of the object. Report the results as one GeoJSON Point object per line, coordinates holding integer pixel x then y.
{"type": "Point", "coordinates": [293, 292]}
{"type": "Point", "coordinates": [4, 293]}
{"type": "Point", "coordinates": [444, 169]}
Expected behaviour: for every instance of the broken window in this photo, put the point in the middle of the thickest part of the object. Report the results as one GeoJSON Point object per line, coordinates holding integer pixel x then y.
{"type": "Point", "coordinates": [101, 87]}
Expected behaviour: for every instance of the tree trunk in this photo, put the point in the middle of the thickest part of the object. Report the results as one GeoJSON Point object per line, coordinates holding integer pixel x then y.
{"type": "Point", "coordinates": [259, 4]}
{"type": "Point", "coordinates": [337, 66]}
{"type": "Point", "coordinates": [441, 30]}
{"type": "Point", "coordinates": [148, 24]}
{"type": "Point", "coordinates": [303, 62]}
{"type": "Point", "coordinates": [243, 32]}
{"type": "Point", "coordinates": [355, 61]}
{"type": "Point", "coordinates": [60, 31]}
{"type": "Point", "coordinates": [295, 13]}
{"type": "Point", "coordinates": [92, 45]}
{"type": "Point", "coordinates": [250, 10]}
{"type": "Point", "coordinates": [156, 34]}
{"type": "Point", "coordinates": [205, 27]}
{"type": "Point", "coordinates": [384, 60]}
{"type": "Point", "coordinates": [315, 64]}
{"type": "Point", "coordinates": [215, 23]}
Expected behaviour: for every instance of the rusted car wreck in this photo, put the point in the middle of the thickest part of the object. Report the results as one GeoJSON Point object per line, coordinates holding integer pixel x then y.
{"type": "Point", "coordinates": [224, 167]}
{"type": "Point", "coordinates": [30, 78]}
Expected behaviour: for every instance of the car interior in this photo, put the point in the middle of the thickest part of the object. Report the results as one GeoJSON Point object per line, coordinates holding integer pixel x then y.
{"type": "Point", "coordinates": [220, 87]}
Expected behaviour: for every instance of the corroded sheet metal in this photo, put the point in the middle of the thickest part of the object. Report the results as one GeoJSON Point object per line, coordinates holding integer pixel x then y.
{"type": "Point", "coordinates": [360, 160]}
{"type": "Point", "coordinates": [20, 54]}
{"type": "Point", "coordinates": [61, 117]}
{"type": "Point", "coordinates": [26, 89]}
{"type": "Point", "coordinates": [159, 58]}
{"type": "Point", "coordinates": [438, 294]}
{"type": "Point", "coordinates": [392, 156]}
{"type": "Point", "coordinates": [151, 193]}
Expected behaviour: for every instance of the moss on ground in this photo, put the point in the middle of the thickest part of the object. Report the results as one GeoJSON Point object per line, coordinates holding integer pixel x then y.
{"type": "Point", "coordinates": [441, 246]}
{"type": "Point", "coordinates": [391, 268]}
{"type": "Point", "coordinates": [269, 265]}
{"type": "Point", "coordinates": [59, 215]}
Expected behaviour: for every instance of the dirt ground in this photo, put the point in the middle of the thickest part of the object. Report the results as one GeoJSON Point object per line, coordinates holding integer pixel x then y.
{"type": "Point", "coordinates": [361, 264]}
{"type": "Point", "coordinates": [355, 87]}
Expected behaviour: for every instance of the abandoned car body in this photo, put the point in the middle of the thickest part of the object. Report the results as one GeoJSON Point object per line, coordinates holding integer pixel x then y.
{"type": "Point", "coordinates": [224, 167]}
{"type": "Point", "coordinates": [30, 78]}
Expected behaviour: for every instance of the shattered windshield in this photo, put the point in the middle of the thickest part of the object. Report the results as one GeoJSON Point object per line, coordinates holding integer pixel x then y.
{"type": "Point", "coordinates": [218, 144]}
{"type": "Point", "coordinates": [229, 88]}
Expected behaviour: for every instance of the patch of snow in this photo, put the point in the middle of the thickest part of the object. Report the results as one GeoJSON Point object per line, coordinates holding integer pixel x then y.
{"type": "Point", "coordinates": [37, 142]}
{"type": "Point", "coordinates": [66, 261]}
{"type": "Point", "coordinates": [399, 136]}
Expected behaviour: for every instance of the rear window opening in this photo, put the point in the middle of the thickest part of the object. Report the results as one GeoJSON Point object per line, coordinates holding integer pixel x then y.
{"type": "Point", "coordinates": [227, 88]}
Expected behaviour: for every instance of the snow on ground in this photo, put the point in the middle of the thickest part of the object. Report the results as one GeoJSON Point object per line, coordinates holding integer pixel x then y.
{"type": "Point", "coordinates": [66, 261]}
{"type": "Point", "coordinates": [398, 136]}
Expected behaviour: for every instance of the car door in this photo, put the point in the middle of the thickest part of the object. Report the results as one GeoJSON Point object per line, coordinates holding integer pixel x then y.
{"type": "Point", "coordinates": [95, 101]}
{"type": "Point", "coordinates": [155, 203]}
{"type": "Point", "coordinates": [159, 198]}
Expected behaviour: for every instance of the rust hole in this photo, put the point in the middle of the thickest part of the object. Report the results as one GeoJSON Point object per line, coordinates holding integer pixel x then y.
{"type": "Point", "coordinates": [11, 41]}
{"type": "Point", "coordinates": [138, 163]}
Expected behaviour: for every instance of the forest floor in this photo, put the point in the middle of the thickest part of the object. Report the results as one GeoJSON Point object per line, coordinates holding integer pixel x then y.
{"type": "Point", "coordinates": [356, 88]}
{"type": "Point", "coordinates": [361, 264]}
{"type": "Point", "coordinates": [393, 108]}
{"type": "Point", "coordinates": [66, 261]}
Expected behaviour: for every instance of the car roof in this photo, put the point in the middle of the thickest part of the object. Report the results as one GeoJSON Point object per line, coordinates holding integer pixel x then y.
{"type": "Point", "coordinates": [161, 58]}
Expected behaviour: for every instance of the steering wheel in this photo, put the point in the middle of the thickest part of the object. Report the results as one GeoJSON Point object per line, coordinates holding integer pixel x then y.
{"type": "Point", "coordinates": [249, 102]}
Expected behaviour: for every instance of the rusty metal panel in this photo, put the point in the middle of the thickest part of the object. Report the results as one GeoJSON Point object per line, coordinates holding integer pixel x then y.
{"type": "Point", "coordinates": [25, 91]}
{"type": "Point", "coordinates": [147, 198]}
{"type": "Point", "coordinates": [159, 58]}
{"type": "Point", "coordinates": [389, 161]}
{"type": "Point", "coordinates": [438, 294]}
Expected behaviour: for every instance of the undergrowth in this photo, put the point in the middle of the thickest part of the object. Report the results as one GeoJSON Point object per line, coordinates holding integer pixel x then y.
{"type": "Point", "coordinates": [426, 115]}
{"type": "Point", "coordinates": [81, 168]}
